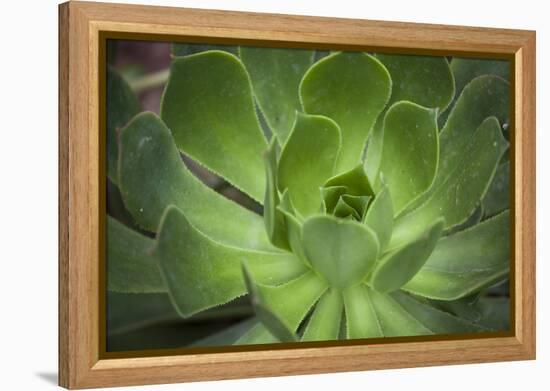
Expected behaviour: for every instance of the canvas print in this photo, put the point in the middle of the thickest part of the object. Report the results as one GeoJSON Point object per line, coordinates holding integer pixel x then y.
{"type": "Point", "coordinates": [261, 195]}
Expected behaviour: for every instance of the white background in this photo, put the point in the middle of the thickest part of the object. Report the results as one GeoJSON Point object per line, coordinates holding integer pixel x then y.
{"type": "Point", "coordinates": [28, 193]}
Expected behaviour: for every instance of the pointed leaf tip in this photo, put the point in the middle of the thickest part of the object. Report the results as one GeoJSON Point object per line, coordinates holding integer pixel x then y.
{"type": "Point", "coordinates": [398, 267]}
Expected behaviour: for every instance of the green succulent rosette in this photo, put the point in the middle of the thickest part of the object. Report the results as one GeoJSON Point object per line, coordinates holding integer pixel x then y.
{"type": "Point", "coordinates": [382, 179]}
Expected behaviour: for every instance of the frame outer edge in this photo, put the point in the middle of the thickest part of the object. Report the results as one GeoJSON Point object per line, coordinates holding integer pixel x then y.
{"type": "Point", "coordinates": [528, 188]}
{"type": "Point", "coordinates": [64, 367]}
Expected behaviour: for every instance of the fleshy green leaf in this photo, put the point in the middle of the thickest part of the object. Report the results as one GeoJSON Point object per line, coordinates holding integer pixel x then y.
{"type": "Point", "coordinates": [354, 180]}
{"type": "Point", "coordinates": [359, 203]}
{"type": "Point", "coordinates": [330, 197]}
{"type": "Point", "coordinates": [467, 69]}
{"type": "Point", "coordinates": [410, 152]}
{"type": "Point", "coordinates": [342, 251]}
{"type": "Point", "coordinates": [280, 315]}
{"type": "Point", "coordinates": [395, 320]}
{"type": "Point", "coordinates": [456, 198]}
{"type": "Point", "coordinates": [293, 227]}
{"type": "Point", "coordinates": [352, 89]}
{"type": "Point", "coordinates": [116, 208]}
{"type": "Point", "coordinates": [372, 314]}
{"type": "Point", "coordinates": [397, 267]}
{"type": "Point", "coordinates": [277, 326]}
{"type": "Point", "coordinates": [361, 318]}
{"type": "Point", "coordinates": [483, 97]}
{"type": "Point", "coordinates": [130, 267]}
{"type": "Point", "coordinates": [437, 321]}
{"type": "Point", "coordinates": [122, 105]}
{"type": "Point", "coordinates": [153, 176]}
{"type": "Point", "coordinates": [185, 49]}
{"type": "Point", "coordinates": [324, 324]}
{"type": "Point", "coordinates": [465, 262]}
{"type": "Point", "coordinates": [344, 210]}
{"type": "Point", "coordinates": [274, 219]}
{"type": "Point", "coordinates": [138, 321]}
{"type": "Point", "coordinates": [276, 74]}
{"type": "Point", "coordinates": [209, 108]}
{"type": "Point", "coordinates": [497, 198]}
{"type": "Point", "coordinates": [307, 160]}
{"type": "Point", "coordinates": [472, 220]}
{"type": "Point", "coordinates": [379, 217]}
{"type": "Point", "coordinates": [465, 307]}
{"type": "Point", "coordinates": [201, 273]}
{"type": "Point", "coordinates": [424, 80]}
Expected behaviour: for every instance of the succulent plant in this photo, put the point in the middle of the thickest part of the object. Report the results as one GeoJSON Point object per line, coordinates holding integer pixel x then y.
{"type": "Point", "coordinates": [383, 181]}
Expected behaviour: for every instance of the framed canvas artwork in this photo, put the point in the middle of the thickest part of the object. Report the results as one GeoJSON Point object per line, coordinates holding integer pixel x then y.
{"type": "Point", "coordinates": [300, 194]}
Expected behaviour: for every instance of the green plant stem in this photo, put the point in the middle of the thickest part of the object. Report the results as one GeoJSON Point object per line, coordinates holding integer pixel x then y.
{"type": "Point", "coordinates": [149, 81]}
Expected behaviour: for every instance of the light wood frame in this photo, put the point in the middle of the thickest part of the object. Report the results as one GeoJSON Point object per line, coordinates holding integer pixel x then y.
{"type": "Point", "coordinates": [80, 26]}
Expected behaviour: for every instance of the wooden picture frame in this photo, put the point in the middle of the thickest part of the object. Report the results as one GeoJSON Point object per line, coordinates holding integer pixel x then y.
{"type": "Point", "coordinates": [82, 27]}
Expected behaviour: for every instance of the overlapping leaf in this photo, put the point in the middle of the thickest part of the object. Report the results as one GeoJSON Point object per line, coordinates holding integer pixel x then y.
{"type": "Point", "coordinates": [307, 160]}
{"type": "Point", "coordinates": [122, 105]}
{"type": "Point", "coordinates": [497, 197]}
{"type": "Point", "coordinates": [276, 74]}
{"type": "Point", "coordinates": [466, 261]}
{"type": "Point", "coordinates": [201, 273]}
{"type": "Point", "coordinates": [466, 69]}
{"type": "Point", "coordinates": [397, 267]}
{"type": "Point", "coordinates": [130, 267]}
{"type": "Point", "coordinates": [424, 80]}
{"type": "Point", "coordinates": [352, 89]}
{"type": "Point", "coordinates": [278, 314]}
{"type": "Point", "coordinates": [410, 152]}
{"type": "Point", "coordinates": [153, 176]}
{"type": "Point", "coordinates": [324, 324]}
{"type": "Point", "coordinates": [209, 108]}
{"type": "Point", "coordinates": [456, 197]}
{"type": "Point", "coordinates": [274, 219]}
{"type": "Point", "coordinates": [342, 251]}
{"type": "Point", "coordinates": [379, 217]}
